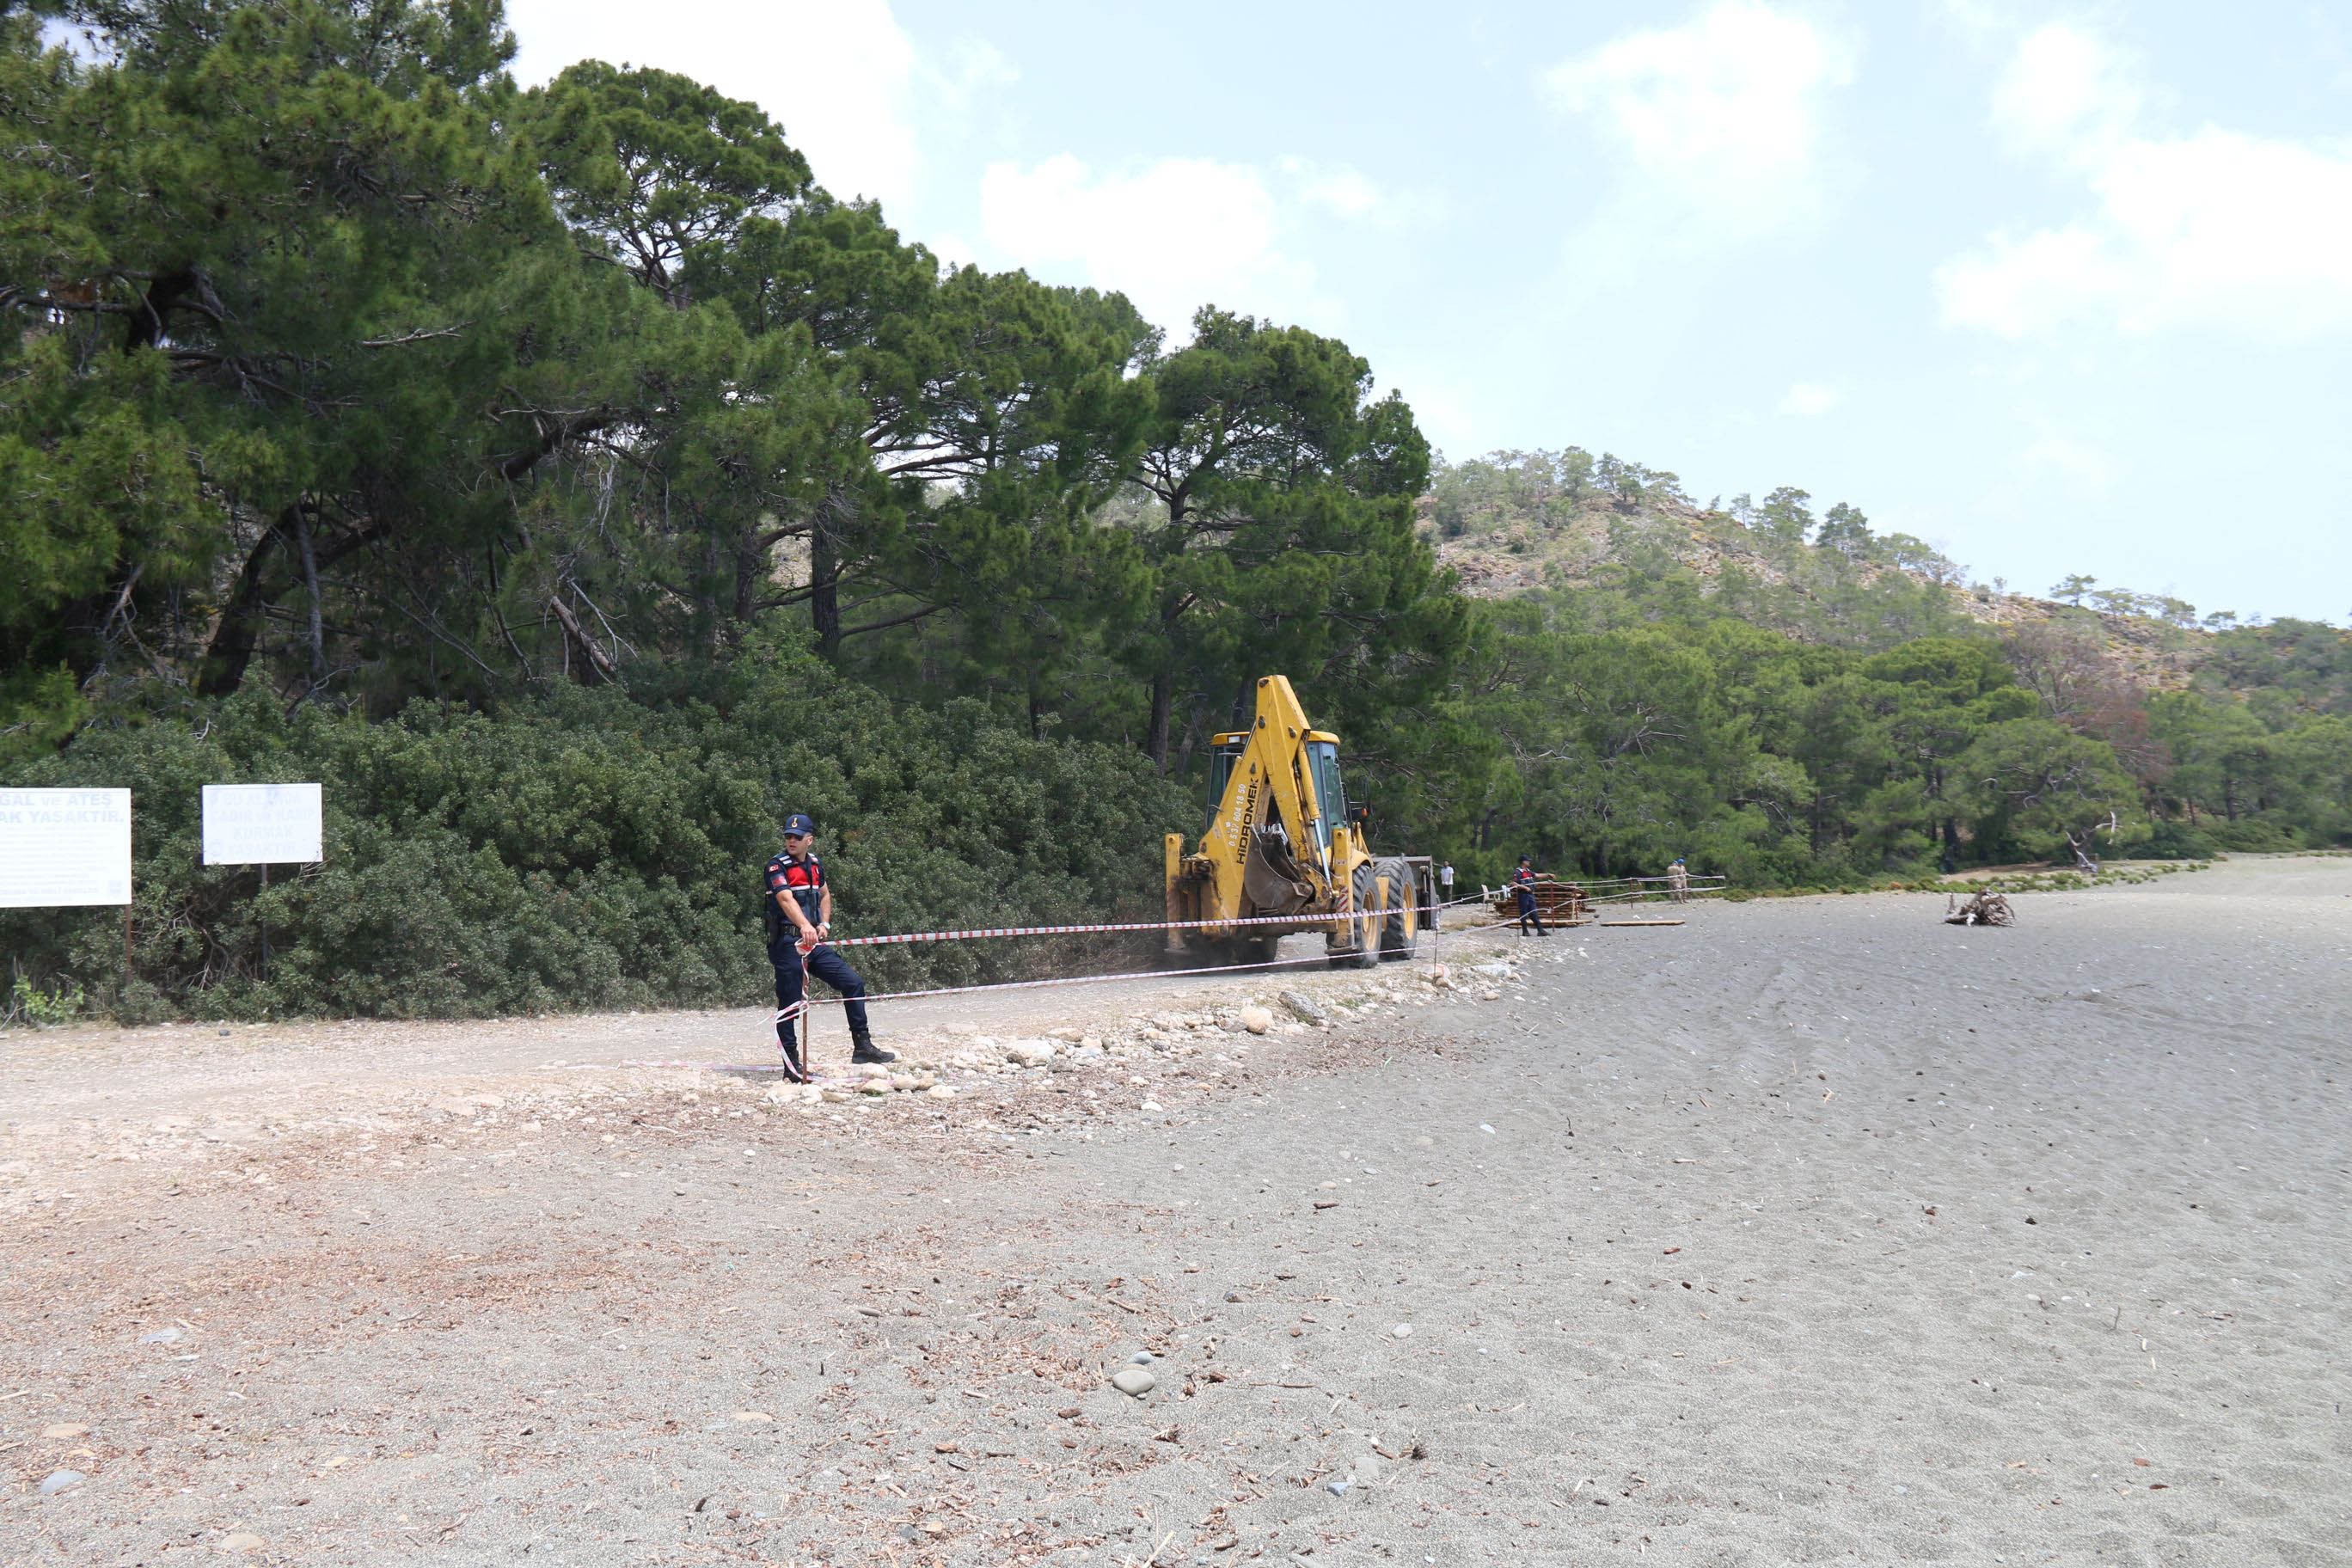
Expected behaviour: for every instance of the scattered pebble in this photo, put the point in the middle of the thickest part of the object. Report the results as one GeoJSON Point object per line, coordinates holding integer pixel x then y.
{"type": "Point", "coordinates": [65, 1429]}
{"type": "Point", "coordinates": [1403, 1331]}
{"type": "Point", "coordinates": [1141, 1358]}
{"type": "Point", "coordinates": [161, 1337]}
{"type": "Point", "coordinates": [1337, 1488]}
{"type": "Point", "coordinates": [59, 1480]}
{"type": "Point", "coordinates": [1133, 1382]}
{"type": "Point", "coordinates": [1256, 1020]}
{"type": "Point", "coordinates": [241, 1541]}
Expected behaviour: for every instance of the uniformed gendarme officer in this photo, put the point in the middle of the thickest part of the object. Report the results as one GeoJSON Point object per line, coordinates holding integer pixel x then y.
{"type": "Point", "coordinates": [798, 909]}
{"type": "Point", "coordinates": [1523, 882]}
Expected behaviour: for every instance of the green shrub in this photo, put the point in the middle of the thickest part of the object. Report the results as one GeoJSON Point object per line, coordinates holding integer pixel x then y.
{"type": "Point", "coordinates": [591, 849]}
{"type": "Point", "coordinates": [2170, 840]}
{"type": "Point", "coordinates": [28, 1004]}
{"type": "Point", "coordinates": [2254, 836]}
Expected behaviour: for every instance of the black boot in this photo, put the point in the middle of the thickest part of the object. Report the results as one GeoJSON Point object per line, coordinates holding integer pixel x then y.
{"type": "Point", "coordinates": [794, 1071]}
{"type": "Point", "coordinates": [864, 1052]}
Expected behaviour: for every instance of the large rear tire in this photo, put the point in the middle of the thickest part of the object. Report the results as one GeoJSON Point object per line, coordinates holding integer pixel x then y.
{"type": "Point", "coordinates": [1398, 928]}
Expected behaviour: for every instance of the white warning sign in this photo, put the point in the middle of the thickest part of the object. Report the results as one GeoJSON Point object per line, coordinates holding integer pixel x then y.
{"type": "Point", "coordinates": [64, 847]}
{"type": "Point", "coordinates": [257, 824]}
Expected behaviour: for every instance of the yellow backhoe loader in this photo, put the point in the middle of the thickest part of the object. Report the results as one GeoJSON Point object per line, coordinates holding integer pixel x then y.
{"type": "Point", "coordinates": [1281, 845]}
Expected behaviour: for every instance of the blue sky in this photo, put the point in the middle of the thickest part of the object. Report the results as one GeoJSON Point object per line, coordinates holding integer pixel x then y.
{"type": "Point", "coordinates": [2062, 288]}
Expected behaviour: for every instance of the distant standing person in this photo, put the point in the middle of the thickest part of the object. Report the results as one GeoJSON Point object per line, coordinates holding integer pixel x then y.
{"type": "Point", "coordinates": [1523, 882]}
{"type": "Point", "coordinates": [1678, 881]}
{"type": "Point", "coordinates": [799, 917]}
{"type": "Point", "coordinates": [1445, 891]}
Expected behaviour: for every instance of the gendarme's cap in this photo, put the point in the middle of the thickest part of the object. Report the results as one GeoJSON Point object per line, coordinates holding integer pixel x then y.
{"type": "Point", "coordinates": [798, 822]}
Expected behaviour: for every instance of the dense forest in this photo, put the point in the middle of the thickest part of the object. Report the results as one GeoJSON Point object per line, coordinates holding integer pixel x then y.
{"type": "Point", "coordinates": [1826, 703]}
{"type": "Point", "coordinates": [574, 485]}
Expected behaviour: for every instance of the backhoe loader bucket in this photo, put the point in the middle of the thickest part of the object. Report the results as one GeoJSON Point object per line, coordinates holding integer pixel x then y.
{"type": "Point", "coordinates": [1272, 880]}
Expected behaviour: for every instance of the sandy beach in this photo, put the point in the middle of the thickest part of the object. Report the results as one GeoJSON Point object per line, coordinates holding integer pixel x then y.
{"type": "Point", "coordinates": [1812, 1230]}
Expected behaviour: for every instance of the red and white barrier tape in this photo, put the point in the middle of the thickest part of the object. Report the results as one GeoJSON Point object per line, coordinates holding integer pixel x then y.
{"type": "Point", "coordinates": [977, 932]}
{"type": "Point", "coordinates": [806, 1002]}
{"type": "Point", "coordinates": [802, 1006]}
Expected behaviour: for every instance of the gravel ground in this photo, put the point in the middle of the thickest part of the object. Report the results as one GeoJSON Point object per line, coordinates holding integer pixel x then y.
{"type": "Point", "coordinates": [1811, 1229]}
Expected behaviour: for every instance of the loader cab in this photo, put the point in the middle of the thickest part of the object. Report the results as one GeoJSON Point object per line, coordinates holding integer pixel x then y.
{"type": "Point", "coordinates": [1224, 752]}
{"type": "Point", "coordinates": [1330, 798]}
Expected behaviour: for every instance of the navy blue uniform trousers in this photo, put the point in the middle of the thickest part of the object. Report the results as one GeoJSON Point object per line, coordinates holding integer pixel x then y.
{"type": "Point", "coordinates": [792, 984]}
{"type": "Point", "coordinates": [1529, 913]}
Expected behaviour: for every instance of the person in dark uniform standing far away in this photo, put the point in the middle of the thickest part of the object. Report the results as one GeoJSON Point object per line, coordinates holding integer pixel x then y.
{"type": "Point", "coordinates": [799, 917]}
{"type": "Point", "coordinates": [1523, 881]}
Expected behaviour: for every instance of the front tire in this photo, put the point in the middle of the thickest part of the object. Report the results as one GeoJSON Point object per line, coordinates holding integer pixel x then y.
{"type": "Point", "coordinates": [1363, 924]}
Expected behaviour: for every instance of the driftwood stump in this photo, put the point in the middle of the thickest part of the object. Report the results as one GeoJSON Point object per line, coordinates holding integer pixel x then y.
{"type": "Point", "coordinates": [1982, 909]}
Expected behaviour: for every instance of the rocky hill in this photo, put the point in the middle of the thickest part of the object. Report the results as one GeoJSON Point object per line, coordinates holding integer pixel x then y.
{"type": "Point", "coordinates": [1515, 523]}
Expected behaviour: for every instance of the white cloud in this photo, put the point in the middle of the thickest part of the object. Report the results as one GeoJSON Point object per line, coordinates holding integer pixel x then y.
{"type": "Point", "coordinates": [1810, 399]}
{"type": "Point", "coordinates": [1173, 235]}
{"type": "Point", "coordinates": [2067, 93]}
{"type": "Point", "coordinates": [973, 66]}
{"type": "Point", "coordinates": [2215, 229]}
{"type": "Point", "coordinates": [840, 76]}
{"type": "Point", "coordinates": [1339, 188]}
{"type": "Point", "coordinates": [1975, 20]}
{"type": "Point", "coordinates": [1721, 118]}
